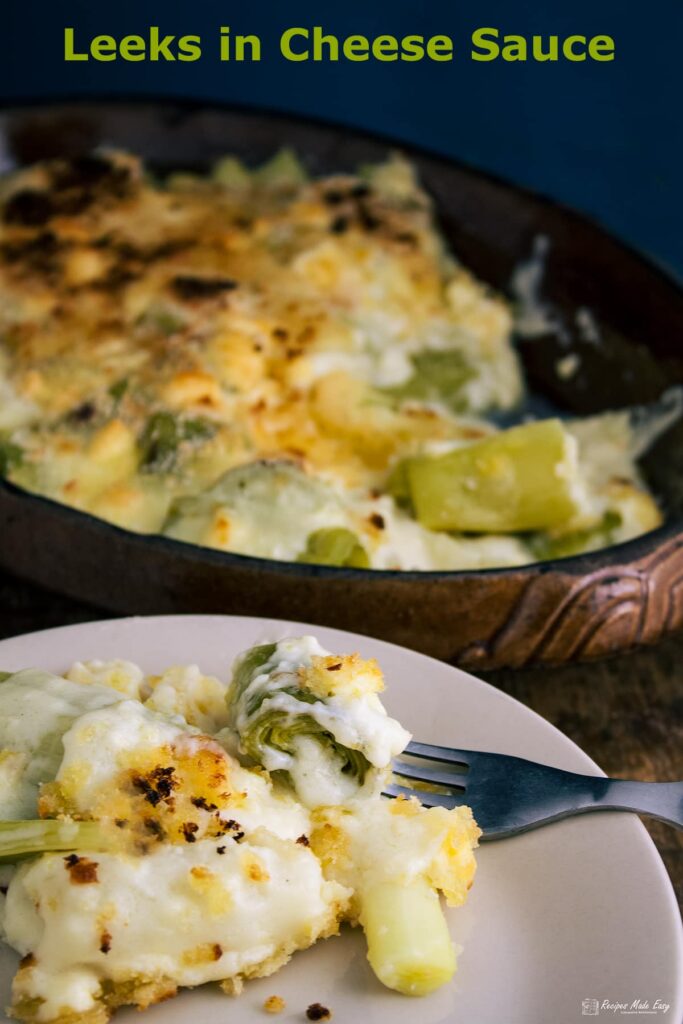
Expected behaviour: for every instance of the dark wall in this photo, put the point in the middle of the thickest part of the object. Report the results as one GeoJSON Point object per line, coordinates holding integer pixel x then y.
{"type": "Point", "coordinates": [605, 137]}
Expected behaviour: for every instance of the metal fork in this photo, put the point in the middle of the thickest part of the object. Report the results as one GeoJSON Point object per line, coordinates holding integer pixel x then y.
{"type": "Point", "coordinates": [509, 795]}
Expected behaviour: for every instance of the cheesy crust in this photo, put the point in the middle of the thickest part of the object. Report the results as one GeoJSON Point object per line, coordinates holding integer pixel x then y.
{"type": "Point", "coordinates": [307, 335]}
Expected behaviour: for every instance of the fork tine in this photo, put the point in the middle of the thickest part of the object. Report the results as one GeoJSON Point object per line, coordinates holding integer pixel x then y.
{"type": "Point", "coordinates": [423, 773]}
{"type": "Point", "coordinates": [433, 753]}
{"type": "Point", "coordinates": [426, 798]}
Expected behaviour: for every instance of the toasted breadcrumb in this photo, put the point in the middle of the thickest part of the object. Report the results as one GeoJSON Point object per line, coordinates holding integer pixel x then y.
{"type": "Point", "coordinates": [316, 1011]}
{"type": "Point", "coordinates": [274, 1004]}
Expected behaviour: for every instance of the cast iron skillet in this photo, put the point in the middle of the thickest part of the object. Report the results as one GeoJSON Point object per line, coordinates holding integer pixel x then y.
{"type": "Point", "coordinates": [581, 607]}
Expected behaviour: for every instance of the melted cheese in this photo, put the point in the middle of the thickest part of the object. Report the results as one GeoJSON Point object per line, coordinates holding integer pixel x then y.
{"type": "Point", "coordinates": [212, 872]}
{"type": "Point", "coordinates": [186, 915]}
{"type": "Point", "coordinates": [155, 338]}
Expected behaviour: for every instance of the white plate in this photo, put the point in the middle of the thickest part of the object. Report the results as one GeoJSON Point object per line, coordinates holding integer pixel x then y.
{"type": "Point", "coordinates": [580, 910]}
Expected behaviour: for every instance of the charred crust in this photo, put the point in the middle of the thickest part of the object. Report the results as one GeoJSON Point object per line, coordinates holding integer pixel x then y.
{"type": "Point", "coordinates": [217, 951]}
{"type": "Point", "coordinates": [339, 225]}
{"type": "Point", "coordinates": [86, 171]}
{"type": "Point", "coordinates": [83, 413]}
{"type": "Point", "coordinates": [377, 521]}
{"type": "Point", "coordinates": [37, 254]}
{"type": "Point", "coordinates": [27, 961]}
{"type": "Point", "coordinates": [221, 849]}
{"type": "Point", "coordinates": [303, 840]}
{"type": "Point", "coordinates": [368, 219]}
{"type": "Point", "coordinates": [82, 870]}
{"type": "Point", "coordinates": [80, 182]}
{"type": "Point", "coordinates": [155, 827]}
{"type": "Point", "coordinates": [405, 237]}
{"type": "Point", "coordinates": [105, 942]}
{"type": "Point", "coordinates": [334, 668]}
{"type": "Point", "coordinates": [235, 828]}
{"type": "Point", "coordinates": [203, 803]}
{"type": "Point", "coordinates": [189, 830]}
{"type": "Point", "coordinates": [316, 1011]}
{"type": "Point", "coordinates": [187, 287]}
{"type": "Point", "coordinates": [117, 277]}
{"type": "Point", "coordinates": [156, 785]}
{"type": "Point", "coordinates": [125, 250]}
{"type": "Point", "coordinates": [28, 208]}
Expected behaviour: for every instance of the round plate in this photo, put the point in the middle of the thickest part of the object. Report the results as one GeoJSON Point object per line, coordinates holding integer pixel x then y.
{"type": "Point", "coordinates": [577, 911]}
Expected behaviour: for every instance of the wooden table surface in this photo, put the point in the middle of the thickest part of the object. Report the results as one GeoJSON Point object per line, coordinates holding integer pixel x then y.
{"type": "Point", "coordinates": [626, 713]}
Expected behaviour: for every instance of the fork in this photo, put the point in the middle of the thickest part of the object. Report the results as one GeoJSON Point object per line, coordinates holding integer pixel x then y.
{"type": "Point", "coordinates": [509, 795]}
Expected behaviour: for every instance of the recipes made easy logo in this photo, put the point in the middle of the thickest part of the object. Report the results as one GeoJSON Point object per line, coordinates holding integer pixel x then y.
{"type": "Point", "coordinates": [638, 1007]}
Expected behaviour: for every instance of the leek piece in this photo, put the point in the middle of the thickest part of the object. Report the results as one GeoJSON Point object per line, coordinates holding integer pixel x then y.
{"type": "Point", "coordinates": [398, 486]}
{"type": "Point", "coordinates": [335, 546]}
{"type": "Point", "coordinates": [19, 839]}
{"type": "Point", "coordinates": [409, 946]}
{"type": "Point", "coordinates": [270, 711]}
{"type": "Point", "coordinates": [284, 169]}
{"type": "Point", "coordinates": [437, 377]}
{"type": "Point", "coordinates": [231, 172]}
{"type": "Point", "coordinates": [577, 542]}
{"type": "Point", "coordinates": [525, 478]}
{"type": "Point", "coordinates": [162, 436]}
{"type": "Point", "coordinates": [117, 390]}
{"type": "Point", "coordinates": [11, 457]}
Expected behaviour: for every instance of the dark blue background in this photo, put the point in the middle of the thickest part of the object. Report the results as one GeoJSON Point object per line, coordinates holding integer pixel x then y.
{"type": "Point", "coordinates": [603, 137]}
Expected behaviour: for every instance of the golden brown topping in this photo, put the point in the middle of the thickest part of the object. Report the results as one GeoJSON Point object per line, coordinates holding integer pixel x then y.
{"type": "Point", "coordinates": [82, 870]}
{"type": "Point", "coordinates": [253, 868]}
{"type": "Point", "coordinates": [27, 961]}
{"type": "Point", "coordinates": [274, 1004]}
{"type": "Point", "coordinates": [353, 676]}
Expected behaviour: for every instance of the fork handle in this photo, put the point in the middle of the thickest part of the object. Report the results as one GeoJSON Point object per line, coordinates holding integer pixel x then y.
{"type": "Point", "coordinates": [661, 800]}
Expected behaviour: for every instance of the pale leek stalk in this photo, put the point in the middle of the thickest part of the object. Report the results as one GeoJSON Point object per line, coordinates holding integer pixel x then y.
{"type": "Point", "coordinates": [334, 545]}
{"type": "Point", "coordinates": [19, 839]}
{"type": "Point", "coordinates": [409, 946]}
{"type": "Point", "coordinates": [525, 478]}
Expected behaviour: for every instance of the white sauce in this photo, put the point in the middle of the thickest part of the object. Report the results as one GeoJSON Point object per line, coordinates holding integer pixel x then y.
{"type": "Point", "coordinates": [183, 912]}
